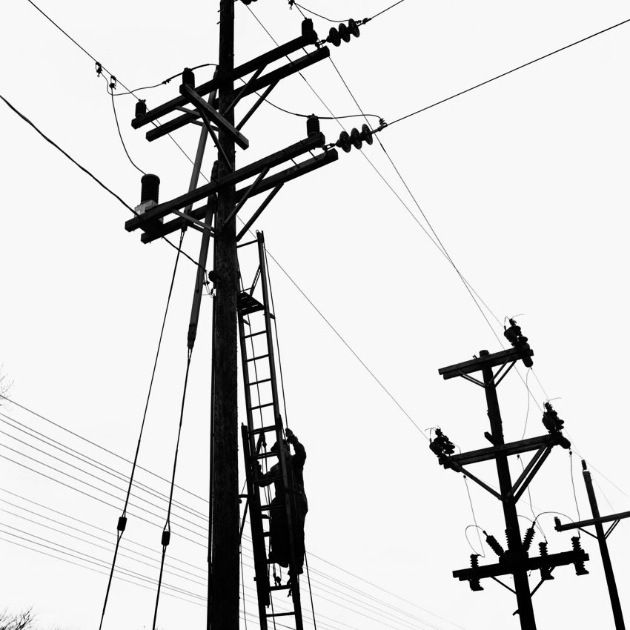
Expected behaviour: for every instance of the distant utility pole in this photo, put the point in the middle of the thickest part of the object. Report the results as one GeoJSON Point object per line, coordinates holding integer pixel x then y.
{"type": "Point", "coordinates": [514, 560]}
{"type": "Point", "coordinates": [602, 537]}
{"type": "Point", "coordinates": [221, 204]}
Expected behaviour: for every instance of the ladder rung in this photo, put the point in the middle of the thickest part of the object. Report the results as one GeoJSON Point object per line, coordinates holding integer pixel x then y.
{"type": "Point", "coordinates": [260, 332]}
{"type": "Point", "coordinates": [271, 507]}
{"type": "Point", "coordinates": [271, 427]}
{"type": "Point", "coordinates": [283, 614]}
{"type": "Point", "coordinates": [261, 356]}
{"type": "Point", "coordinates": [282, 587]}
{"type": "Point", "coordinates": [262, 380]}
{"type": "Point", "coordinates": [262, 406]}
{"type": "Point", "coordinates": [267, 454]}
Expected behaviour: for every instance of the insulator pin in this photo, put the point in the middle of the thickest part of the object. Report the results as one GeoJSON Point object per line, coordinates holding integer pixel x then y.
{"type": "Point", "coordinates": [312, 126]}
{"type": "Point", "coordinates": [474, 564]}
{"type": "Point", "coordinates": [580, 569]}
{"type": "Point", "coordinates": [141, 108]}
{"type": "Point", "coordinates": [494, 544]}
{"type": "Point", "coordinates": [188, 77]}
{"type": "Point", "coordinates": [545, 571]}
{"type": "Point", "coordinates": [529, 537]}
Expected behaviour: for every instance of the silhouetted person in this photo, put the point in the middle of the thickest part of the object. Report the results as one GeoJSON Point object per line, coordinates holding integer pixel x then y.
{"type": "Point", "coordinates": [280, 552]}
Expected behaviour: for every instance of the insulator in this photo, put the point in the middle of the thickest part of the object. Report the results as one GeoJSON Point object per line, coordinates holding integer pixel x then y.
{"type": "Point", "coordinates": [344, 32]}
{"type": "Point", "coordinates": [353, 28]}
{"type": "Point", "coordinates": [474, 564]}
{"type": "Point", "coordinates": [514, 335]}
{"type": "Point", "coordinates": [122, 523]}
{"type": "Point", "coordinates": [141, 108]}
{"type": "Point", "coordinates": [550, 419]}
{"type": "Point", "coordinates": [344, 141]}
{"type": "Point", "coordinates": [367, 135]}
{"type": "Point", "coordinates": [545, 571]}
{"type": "Point", "coordinates": [333, 37]}
{"type": "Point", "coordinates": [188, 77]}
{"type": "Point", "coordinates": [529, 537]}
{"type": "Point", "coordinates": [493, 543]}
{"type": "Point", "coordinates": [307, 28]}
{"type": "Point", "coordinates": [312, 126]}
{"type": "Point", "coordinates": [166, 538]}
{"type": "Point", "coordinates": [150, 188]}
{"type": "Point", "coordinates": [355, 138]}
{"type": "Point", "coordinates": [580, 569]}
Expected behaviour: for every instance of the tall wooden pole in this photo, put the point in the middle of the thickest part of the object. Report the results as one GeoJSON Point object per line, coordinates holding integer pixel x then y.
{"type": "Point", "coordinates": [515, 545]}
{"type": "Point", "coordinates": [603, 548]}
{"type": "Point", "coordinates": [224, 600]}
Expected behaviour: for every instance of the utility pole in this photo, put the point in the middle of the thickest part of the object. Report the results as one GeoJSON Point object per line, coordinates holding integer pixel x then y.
{"type": "Point", "coordinates": [602, 537]}
{"type": "Point", "coordinates": [224, 595]}
{"type": "Point", "coordinates": [221, 204]}
{"type": "Point", "coordinates": [514, 560]}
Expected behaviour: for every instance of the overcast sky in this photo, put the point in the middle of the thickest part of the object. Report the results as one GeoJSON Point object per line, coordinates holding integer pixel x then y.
{"type": "Point", "coordinates": [524, 181]}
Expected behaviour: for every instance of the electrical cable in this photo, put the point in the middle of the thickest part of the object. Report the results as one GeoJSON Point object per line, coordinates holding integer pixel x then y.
{"type": "Point", "coordinates": [123, 517]}
{"type": "Point", "coordinates": [472, 509]}
{"type": "Point", "coordinates": [504, 74]}
{"type": "Point", "coordinates": [323, 17]}
{"type": "Point", "coordinates": [166, 532]}
{"type": "Point", "coordinates": [66, 450]}
{"type": "Point", "coordinates": [96, 445]}
{"type": "Point", "coordinates": [577, 505]}
{"type": "Point", "coordinates": [81, 167]}
{"type": "Point", "coordinates": [112, 76]}
{"type": "Point", "coordinates": [110, 91]}
{"type": "Point", "coordinates": [310, 590]}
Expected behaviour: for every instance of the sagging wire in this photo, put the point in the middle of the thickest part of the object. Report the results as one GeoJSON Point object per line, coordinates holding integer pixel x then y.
{"type": "Point", "coordinates": [474, 515]}
{"type": "Point", "coordinates": [482, 554]}
{"type": "Point", "coordinates": [165, 82]}
{"type": "Point", "coordinates": [122, 522]}
{"type": "Point", "coordinates": [301, 8]}
{"type": "Point", "coordinates": [310, 590]}
{"type": "Point", "coordinates": [111, 86]}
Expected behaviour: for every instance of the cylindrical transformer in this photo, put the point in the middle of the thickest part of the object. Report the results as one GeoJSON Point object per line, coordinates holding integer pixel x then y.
{"type": "Point", "coordinates": [150, 188]}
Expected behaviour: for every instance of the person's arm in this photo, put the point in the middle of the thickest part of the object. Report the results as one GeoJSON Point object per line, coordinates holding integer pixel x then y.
{"type": "Point", "coordinates": [300, 452]}
{"type": "Point", "coordinates": [266, 479]}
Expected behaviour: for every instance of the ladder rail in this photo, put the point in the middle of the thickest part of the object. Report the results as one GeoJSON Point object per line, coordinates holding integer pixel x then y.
{"type": "Point", "coordinates": [290, 501]}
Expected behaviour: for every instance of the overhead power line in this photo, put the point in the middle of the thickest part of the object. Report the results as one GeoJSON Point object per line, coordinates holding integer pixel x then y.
{"type": "Point", "coordinates": [301, 7]}
{"type": "Point", "coordinates": [508, 72]}
{"type": "Point", "coordinates": [28, 121]}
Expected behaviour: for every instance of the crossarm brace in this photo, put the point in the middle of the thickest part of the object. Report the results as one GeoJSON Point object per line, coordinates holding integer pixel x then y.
{"type": "Point", "coordinates": [592, 521]}
{"type": "Point", "coordinates": [457, 467]}
{"type": "Point", "coordinates": [529, 472]}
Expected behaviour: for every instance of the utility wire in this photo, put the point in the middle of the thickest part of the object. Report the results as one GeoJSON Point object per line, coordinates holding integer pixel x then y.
{"type": "Point", "coordinates": [122, 140]}
{"type": "Point", "coordinates": [328, 19]}
{"type": "Point", "coordinates": [507, 72]}
{"type": "Point", "coordinates": [123, 517]}
{"type": "Point", "coordinates": [85, 170]}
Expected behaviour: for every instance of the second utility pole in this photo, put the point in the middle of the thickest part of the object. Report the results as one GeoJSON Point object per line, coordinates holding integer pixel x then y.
{"type": "Point", "coordinates": [224, 604]}
{"type": "Point", "coordinates": [515, 545]}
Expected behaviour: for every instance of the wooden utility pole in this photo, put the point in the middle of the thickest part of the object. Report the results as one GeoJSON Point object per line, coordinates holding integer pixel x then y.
{"type": "Point", "coordinates": [515, 560]}
{"type": "Point", "coordinates": [515, 544]}
{"type": "Point", "coordinates": [224, 594]}
{"type": "Point", "coordinates": [602, 536]}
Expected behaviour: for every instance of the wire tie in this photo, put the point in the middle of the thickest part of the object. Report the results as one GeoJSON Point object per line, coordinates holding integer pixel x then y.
{"type": "Point", "coordinates": [99, 69]}
{"type": "Point", "coordinates": [122, 523]}
{"type": "Point", "coordinates": [166, 538]}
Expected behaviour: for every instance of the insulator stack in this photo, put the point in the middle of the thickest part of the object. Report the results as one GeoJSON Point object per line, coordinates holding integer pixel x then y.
{"type": "Point", "coordinates": [474, 582]}
{"type": "Point", "coordinates": [355, 138]}
{"type": "Point", "coordinates": [529, 537]}
{"type": "Point", "coordinates": [343, 33]}
{"type": "Point", "coordinates": [580, 569]}
{"type": "Point", "coordinates": [494, 544]}
{"type": "Point", "coordinates": [441, 445]}
{"type": "Point", "coordinates": [514, 335]}
{"type": "Point", "coordinates": [550, 419]}
{"type": "Point", "coordinates": [545, 571]}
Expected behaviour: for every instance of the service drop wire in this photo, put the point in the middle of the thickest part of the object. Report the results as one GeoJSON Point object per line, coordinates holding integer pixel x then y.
{"type": "Point", "coordinates": [123, 518]}
{"type": "Point", "coordinates": [166, 532]}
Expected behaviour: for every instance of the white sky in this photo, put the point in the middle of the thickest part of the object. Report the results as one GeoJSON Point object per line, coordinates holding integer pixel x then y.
{"type": "Point", "coordinates": [525, 182]}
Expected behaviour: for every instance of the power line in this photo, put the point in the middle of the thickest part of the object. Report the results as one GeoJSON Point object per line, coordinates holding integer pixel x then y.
{"type": "Point", "coordinates": [83, 168]}
{"type": "Point", "coordinates": [507, 72]}
{"type": "Point", "coordinates": [328, 19]}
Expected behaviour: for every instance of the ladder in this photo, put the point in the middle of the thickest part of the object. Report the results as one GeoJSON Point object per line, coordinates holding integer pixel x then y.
{"type": "Point", "coordinates": [264, 427]}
